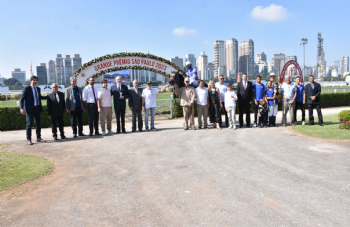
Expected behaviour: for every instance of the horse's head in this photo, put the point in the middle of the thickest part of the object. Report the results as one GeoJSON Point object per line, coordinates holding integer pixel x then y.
{"type": "Point", "coordinates": [176, 78]}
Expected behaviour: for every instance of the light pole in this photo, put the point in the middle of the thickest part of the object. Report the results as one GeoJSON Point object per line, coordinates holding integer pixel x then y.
{"type": "Point", "coordinates": [303, 41]}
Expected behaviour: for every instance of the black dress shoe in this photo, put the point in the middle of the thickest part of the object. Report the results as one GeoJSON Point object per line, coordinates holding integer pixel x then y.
{"type": "Point", "coordinates": [97, 134]}
{"type": "Point", "coordinates": [82, 134]}
{"type": "Point", "coordinates": [140, 130]}
{"type": "Point", "coordinates": [133, 130]}
{"type": "Point", "coordinates": [64, 137]}
{"type": "Point", "coordinates": [116, 132]}
{"type": "Point", "coordinates": [75, 136]}
{"type": "Point", "coordinates": [55, 138]}
{"type": "Point", "coordinates": [123, 131]}
{"type": "Point", "coordinates": [29, 142]}
{"type": "Point", "coordinates": [90, 134]}
{"type": "Point", "coordinates": [241, 126]}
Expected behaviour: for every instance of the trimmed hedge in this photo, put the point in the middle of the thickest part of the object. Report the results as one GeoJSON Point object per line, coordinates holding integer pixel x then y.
{"type": "Point", "coordinates": [344, 115]}
{"type": "Point", "coordinates": [327, 100]}
{"type": "Point", "coordinates": [12, 119]}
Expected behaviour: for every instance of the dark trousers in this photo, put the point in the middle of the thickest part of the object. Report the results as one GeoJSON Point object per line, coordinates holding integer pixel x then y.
{"type": "Point", "coordinates": [244, 106]}
{"type": "Point", "coordinates": [93, 117]}
{"type": "Point", "coordinates": [311, 113]}
{"type": "Point", "coordinates": [302, 107]}
{"type": "Point", "coordinates": [256, 109]}
{"type": "Point", "coordinates": [225, 112]}
{"type": "Point", "coordinates": [77, 113]}
{"type": "Point", "coordinates": [120, 115]}
{"type": "Point", "coordinates": [262, 120]}
{"type": "Point", "coordinates": [54, 121]}
{"type": "Point", "coordinates": [36, 114]}
{"type": "Point", "coordinates": [137, 114]}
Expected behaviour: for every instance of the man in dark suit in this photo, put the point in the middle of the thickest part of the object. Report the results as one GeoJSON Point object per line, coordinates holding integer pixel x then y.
{"type": "Point", "coordinates": [120, 93]}
{"type": "Point", "coordinates": [135, 105]}
{"type": "Point", "coordinates": [75, 106]}
{"type": "Point", "coordinates": [245, 97]}
{"type": "Point", "coordinates": [313, 92]}
{"type": "Point", "coordinates": [30, 104]}
{"type": "Point", "coordinates": [55, 109]}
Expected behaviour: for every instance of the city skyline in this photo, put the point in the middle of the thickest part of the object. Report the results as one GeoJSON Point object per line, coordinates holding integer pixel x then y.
{"type": "Point", "coordinates": [84, 34]}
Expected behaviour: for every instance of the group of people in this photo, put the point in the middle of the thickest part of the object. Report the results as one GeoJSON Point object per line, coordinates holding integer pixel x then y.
{"type": "Point", "coordinates": [210, 103]}
{"type": "Point", "coordinates": [219, 97]}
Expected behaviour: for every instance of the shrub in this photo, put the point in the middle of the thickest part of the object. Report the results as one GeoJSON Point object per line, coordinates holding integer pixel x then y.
{"type": "Point", "coordinates": [344, 115]}
{"type": "Point", "coordinates": [12, 119]}
{"type": "Point", "coordinates": [345, 125]}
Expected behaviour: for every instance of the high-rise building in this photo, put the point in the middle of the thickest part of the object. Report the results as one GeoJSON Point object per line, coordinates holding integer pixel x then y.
{"type": "Point", "coordinates": [321, 59]}
{"type": "Point", "coordinates": [344, 65]}
{"type": "Point", "coordinates": [178, 61]}
{"type": "Point", "coordinates": [246, 57]}
{"type": "Point", "coordinates": [277, 62]}
{"type": "Point", "coordinates": [202, 65]}
{"type": "Point", "coordinates": [191, 58]}
{"type": "Point", "coordinates": [68, 70]}
{"type": "Point", "coordinates": [210, 71]}
{"type": "Point", "coordinates": [41, 73]}
{"type": "Point", "coordinates": [337, 63]}
{"type": "Point", "coordinates": [261, 63]}
{"type": "Point", "coordinates": [293, 57]}
{"type": "Point", "coordinates": [59, 70]}
{"type": "Point", "coordinates": [52, 72]}
{"type": "Point", "coordinates": [231, 57]}
{"type": "Point", "coordinates": [77, 62]}
{"type": "Point", "coordinates": [219, 58]}
{"type": "Point", "coordinates": [19, 75]}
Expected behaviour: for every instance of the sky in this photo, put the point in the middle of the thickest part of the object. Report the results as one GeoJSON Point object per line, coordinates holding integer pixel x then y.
{"type": "Point", "coordinates": [36, 31]}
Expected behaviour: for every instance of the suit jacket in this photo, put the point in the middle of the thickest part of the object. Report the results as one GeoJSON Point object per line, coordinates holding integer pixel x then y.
{"type": "Point", "coordinates": [119, 103]}
{"type": "Point", "coordinates": [26, 101]}
{"type": "Point", "coordinates": [135, 100]}
{"type": "Point", "coordinates": [313, 92]}
{"type": "Point", "coordinates": [70, 99]}
{"type": "Point", "coordinates": [247, 94]}
{"type": "Point", "coordinates": [54, 108]}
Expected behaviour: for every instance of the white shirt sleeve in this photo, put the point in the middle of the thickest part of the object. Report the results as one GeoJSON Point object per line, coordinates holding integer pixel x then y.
{"type": "Point", "coordinates": [85, 94]}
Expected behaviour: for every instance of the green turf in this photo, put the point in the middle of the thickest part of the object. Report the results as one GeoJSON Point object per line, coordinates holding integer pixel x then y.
{"type": "Point", "coordinates": [17, 168]}
{"type": "Point", "coordinates": [330, 130]}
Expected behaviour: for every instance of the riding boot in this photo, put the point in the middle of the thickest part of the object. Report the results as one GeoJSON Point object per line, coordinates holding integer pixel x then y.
{"type": "Point", "coordinates": [270, 121]}
{"type": "Point", "coordinates": [273, 121]}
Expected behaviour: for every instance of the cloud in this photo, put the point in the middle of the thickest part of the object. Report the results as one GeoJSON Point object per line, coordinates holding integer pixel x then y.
{"type": "Point", "coordinates": [182, 31]}
{"type": "Point", "coordinates": [270, 13]}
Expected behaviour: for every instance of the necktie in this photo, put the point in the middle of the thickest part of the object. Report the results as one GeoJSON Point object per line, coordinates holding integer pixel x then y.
{"type": "Point", "coordinates": [93, 91]}
{"type": "Point", "coordinates": [244, 85]}
{"type": "Point", "coordinates": [57, 98]}
{"type": "Point", "coordinates": [136, 90]}
{"type": "Point", "coordinates": [36, 97]}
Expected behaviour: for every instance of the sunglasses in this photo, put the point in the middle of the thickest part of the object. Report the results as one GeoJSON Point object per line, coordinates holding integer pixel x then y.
{"type": "Point", "coordinates": [221, 78]}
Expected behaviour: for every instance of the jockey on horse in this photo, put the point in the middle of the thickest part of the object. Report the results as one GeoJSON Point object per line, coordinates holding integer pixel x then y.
{"type": "Point", "coordinates": [192, 74]}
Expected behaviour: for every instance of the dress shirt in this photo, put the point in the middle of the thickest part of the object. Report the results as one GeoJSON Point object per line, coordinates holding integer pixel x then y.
{"type": "Point", "coordinates": [57, 97]}
{"type": "Point", "coordinates": [88, 94]}
{"type": "Point", "coordinates": [36, 96]}
{"type": "Point", "coordinates": [313, 85]}
{"type": "Point", "coordinates": [222, 88]}
{"type": "Point", "coordinates": [105, 96]}
{"type": "Point", "coordinates": [202, 96]}
{"type": "Point", "coordinates": [229, 100]}
{"type": "Point", "coordinates": [288, 90]}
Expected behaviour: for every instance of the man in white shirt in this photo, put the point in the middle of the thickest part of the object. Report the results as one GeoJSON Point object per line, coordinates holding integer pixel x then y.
{"type": "Point", "coordinates": [202, 99]}
{"type": "Point", "coordinates": [104, 104]}
{"type": "Point", "coordinates": [222, 87]}
{"type": "Point", "coordinates": [149, 103]}
{"type": "Point", "coordinates": [90, 99]}
{"type": "Point", "coordinates": [289, 94]}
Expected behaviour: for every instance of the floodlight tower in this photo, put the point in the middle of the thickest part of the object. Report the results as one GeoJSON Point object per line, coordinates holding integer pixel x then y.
{"type": "Point", "coordinates": [320, 56]}
{"type": "Point", "coordinates": [303, 41]}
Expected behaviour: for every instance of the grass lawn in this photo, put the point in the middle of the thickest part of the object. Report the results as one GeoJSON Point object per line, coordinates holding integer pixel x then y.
{"type": "Point", "coordinates": [17, 168]}
{"type": "Point", "coordinates": [330, 130]}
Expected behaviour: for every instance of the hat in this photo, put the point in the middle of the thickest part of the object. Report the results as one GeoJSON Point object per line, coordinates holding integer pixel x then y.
{"type": "Point", "coordinates": [272, 75]}
{"type": "Point", "coordinates": [188, 63]}
{"type": "Point", "coordinates": [186, 79]}
{"type": "Point", "coordinates": [149, 82]}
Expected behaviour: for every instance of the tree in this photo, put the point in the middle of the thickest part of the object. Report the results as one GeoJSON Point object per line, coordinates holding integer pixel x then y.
{"type": "Point", "coordinates": [13, 84]}
{"type": "Point", "coordinates": [27, 83]}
